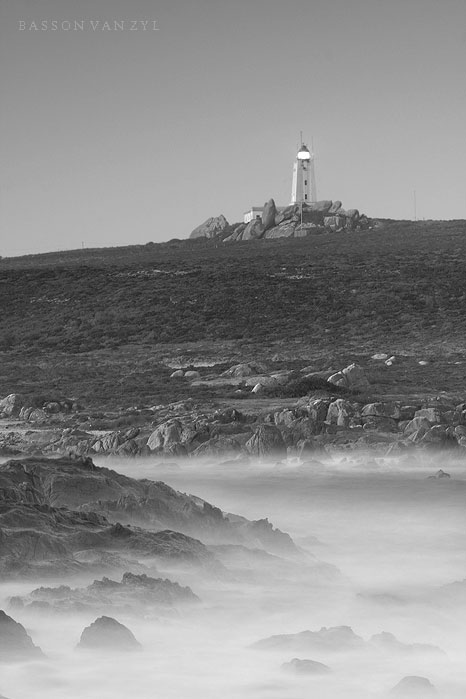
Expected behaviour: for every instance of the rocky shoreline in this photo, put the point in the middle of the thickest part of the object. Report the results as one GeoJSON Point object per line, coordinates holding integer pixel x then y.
{"type": "Point", "coordinates": [340, 415]}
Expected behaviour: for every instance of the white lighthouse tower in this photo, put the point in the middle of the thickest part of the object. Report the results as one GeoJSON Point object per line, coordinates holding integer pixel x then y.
{"type": "Point", "coordinates": [304, 179]}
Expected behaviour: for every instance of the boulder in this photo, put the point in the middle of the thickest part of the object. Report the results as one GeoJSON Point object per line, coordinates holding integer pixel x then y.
{"type": "Point", "coordinates": [334, 223]}
{"type": "Point", "coordinates": [339, 412]}
{"type": "Point", "coordinates": [106, 633]}
{"type": "Point", "coordinates": [433, 415]}
{"type": "Point", "coordinates": [210, 228]}
{"type": "Point", "coordinates": [178, 374]}
{"type": "Point", "coordinates": [15, 643]}
{"type": "Point", "coordinates": [351, 377]}
{"type": "Point", "coordinates": [300, 666]}
{"type": "Point", "coordinates": [416, 424]}
{"type": "Point", "coordinates": [253, 230]}
{"type": "Point", "coordinates": [11, 405]}
{"type": "Point", "coordinates": [413, 686]}
{"type": "Point", "coordinates": [334, 209]}
{"type": "Point", "coordinates": [165, 435]}
{"type": "Point", "coordinates": [285, 230]}
{"type": "Point", "coordinates": [388, 409]}
{"type": "Point", "coordinates": [268, 215]}
{"type": "Point", "coordinates": [266, 441]}
{"type": "Point", "coordinates": [192, 375]}
{"type": "Point", "coordinates": [323, 206]}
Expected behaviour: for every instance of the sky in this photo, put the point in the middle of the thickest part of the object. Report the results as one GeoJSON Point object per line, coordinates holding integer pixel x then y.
{"type": "Point", "coordinates": [120, 136]}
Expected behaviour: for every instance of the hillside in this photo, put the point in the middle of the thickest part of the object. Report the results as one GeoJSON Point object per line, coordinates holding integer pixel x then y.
{"type": "Point", "coordinates": [80, 316]}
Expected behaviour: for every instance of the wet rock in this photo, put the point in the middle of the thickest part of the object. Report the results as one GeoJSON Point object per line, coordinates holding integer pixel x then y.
{"type": "Point", "coordinates": [15, 643]}
{"type": "Point", "coordinates": [304, 666]}
{"type": "Point", "coordinates": [106, 633]}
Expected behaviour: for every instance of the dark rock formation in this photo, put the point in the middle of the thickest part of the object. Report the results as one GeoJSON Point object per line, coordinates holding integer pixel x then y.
{"type": "Point", "coordinates": [304, 666]}
{"type": "Point", "coordinates": [106, 633]}
{"type": "Point", "coordinates": [51, 509]}
{"type": "Point", "coordinates": [135, 593]}
{"type": "Point", "coordinates": [15, 643]}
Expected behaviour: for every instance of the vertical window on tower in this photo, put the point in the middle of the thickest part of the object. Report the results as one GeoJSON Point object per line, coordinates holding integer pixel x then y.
{"type": "Point", "coordinates": [305, 181]}
{"type": "Point", "coordinates": [305, 196]}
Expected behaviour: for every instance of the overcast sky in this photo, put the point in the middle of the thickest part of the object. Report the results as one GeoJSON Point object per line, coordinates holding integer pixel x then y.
{"type": "Point", "coordinates": [111, 137]}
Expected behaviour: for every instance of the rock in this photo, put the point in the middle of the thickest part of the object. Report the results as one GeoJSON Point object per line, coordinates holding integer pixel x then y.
{"type": "Point", "coordinates": [433, 415]}
{"type": "Point", "coordinates": [388, 642]}
{"type": "Point", "coordinates": [380, 423]}
{"type": "Point", "coordinates": [192, 375]}
{"type": "Point", "coordinates": [135, 593]}
{"type": "Point", "coordinates": [334, 223]}
{"type": "Point", "coordinates": [178, 374]}
{"type": "Point", "coordinates": [416, 425]}
{"type": "Point", "coordinates": [440, 474]}
{"type": "Point", "coordinates": [391, 410]}
{"type": "Point", "coordinates": [15, 643]}
{"type": "Point", "coordinates": [352, 377]}
{"type": "Point", "coordinates": [336, 206]}
{"type": "Point", "coordinates": [210, 228]}
{"type": "Point", "coordinates": [412, 686]}
{"type": "Point", "coordinates": [305, 667]}
{"type": "Point", "coordinates": [34, 415]}
{"type": "Point", "coordinates": [11, 405]}
{"type": "Point", "coordinates": [323, 206]}
{"type": "Point", "coordinates": [339, 412]}
{"type": "Point", "coordinates": [267, 381]}
{"type": "Point", "coordinates": [38, 531]}
{"type": "Point", "coordinates": [285, 230]}
{"type": "Point", "coordinates": [165, 435]}
{"type": "Point", "coordinates": [253, 230]}
{"type": "Point", "coordinates": [437, 436]}
{"type": "Point", "coordinates": [268, 215]}
{"type": "Point", "coordinates": [380, 356]}
{"type": "Point", "coordinates": [105, 633]}
{"type": "Point", "coordinates": [333, 639]}
{"type": "Point", "coordinates": [266, 441]}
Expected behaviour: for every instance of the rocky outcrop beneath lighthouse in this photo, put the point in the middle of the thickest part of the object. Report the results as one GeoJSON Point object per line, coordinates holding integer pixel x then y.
{"type": "Point", "coordinates": [324, 216]}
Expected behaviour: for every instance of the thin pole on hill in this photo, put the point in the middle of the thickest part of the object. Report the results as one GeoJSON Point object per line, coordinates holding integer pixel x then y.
{"type": "Point", "coordinates": [415, 205]}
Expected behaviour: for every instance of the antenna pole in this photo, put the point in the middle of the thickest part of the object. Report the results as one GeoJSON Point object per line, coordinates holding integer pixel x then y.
{"type": "Point", "coordinates": [415, 205]}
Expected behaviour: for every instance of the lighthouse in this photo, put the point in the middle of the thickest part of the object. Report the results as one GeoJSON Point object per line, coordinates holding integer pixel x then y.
{"type": "Point", "coordinates": [304, 180]}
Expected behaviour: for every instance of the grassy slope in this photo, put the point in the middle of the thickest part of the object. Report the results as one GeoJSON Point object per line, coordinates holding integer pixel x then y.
{"type": "Point", "coordinates": [106, 318]}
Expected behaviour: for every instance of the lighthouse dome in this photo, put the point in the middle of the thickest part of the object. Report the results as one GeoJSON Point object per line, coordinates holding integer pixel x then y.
{"type": "Point", "coordinates": [304, 153]}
